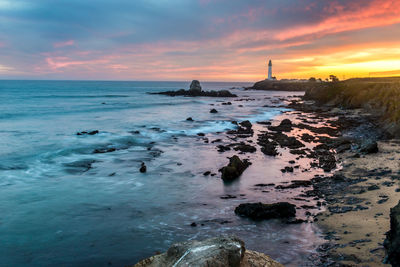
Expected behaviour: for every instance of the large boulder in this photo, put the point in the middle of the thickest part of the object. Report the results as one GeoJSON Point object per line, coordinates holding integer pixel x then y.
{"type": "Point", "coordinates": [261, 211]}
{"type": "Point", "coordinates": [392, 242]}
{"type": "Point", "coordinates": [195, 86]}
{"type": "Point", "coordinates": [217, 252]}
{"type": "Point", "coordinates": [234, 169]}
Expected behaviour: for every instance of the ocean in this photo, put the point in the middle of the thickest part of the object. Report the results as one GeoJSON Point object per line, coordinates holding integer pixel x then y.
{"type": "Point", "coordinates": [64, 204]}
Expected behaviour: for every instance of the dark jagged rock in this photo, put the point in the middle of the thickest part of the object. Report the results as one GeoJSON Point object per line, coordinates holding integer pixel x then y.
{"type": "Point", "coordinates": [222, 148]}
{"type": "Point", "coordinates": [327, 162]}
{"type": "Point", "coordinates": [246, 124]}
{"type": "Point", "coordinates": [392, 241]}
{"type": "Point", "coordinates": [143, 168]}
{"type": "Point", "coordinates": [295, 184]}
{"type": "Point", "coordinates": [244, 148]}
{"type": "Point", "coordinates": [234, 169]}
{"type": "Point", "coordinates": [284, 126]}
{"type": "Point", "coordinates": [213, 110]}
{"type": "Point", "coordinates": [261, 211]}
{"type": "Point", "coordinates": [88, 133]}
{"type": "Point", "coordinates": [104, 150]}
{"type": "Point", "coordinates": [189, 119]}
{"type": "Point", "coordinates": [287, 169]}
{"type": "Point", "coordinates": [369, 147]}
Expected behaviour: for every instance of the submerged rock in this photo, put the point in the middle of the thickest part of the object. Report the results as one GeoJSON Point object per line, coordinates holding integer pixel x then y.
{"type": "Point", "coordinates": [261, 211]}
{"type": "Point", "coordinates": [392, 241]}
{"type": "Point", "coordinates": [213, 110]}
{"type": "Point", "coordinates": [234, 169]}
{"type": "Point", "coordinates": [88, 133]}
{"type": "Point", "coordinates": [220, 251]}
{"type": "Point", "coordinates": [143, 168]}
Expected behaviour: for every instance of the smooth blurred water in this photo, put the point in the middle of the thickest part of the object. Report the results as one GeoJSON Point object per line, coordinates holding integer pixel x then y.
{"type": "Point", "coordinates": [53, 213]}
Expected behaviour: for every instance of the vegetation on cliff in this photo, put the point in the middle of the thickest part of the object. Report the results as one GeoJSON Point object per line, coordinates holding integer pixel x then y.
{"type": "Point", "coordinates": [380, 96]}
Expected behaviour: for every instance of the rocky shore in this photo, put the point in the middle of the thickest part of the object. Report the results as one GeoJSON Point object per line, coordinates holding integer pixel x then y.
{"type": "Point", "coordinates": [351, 199]}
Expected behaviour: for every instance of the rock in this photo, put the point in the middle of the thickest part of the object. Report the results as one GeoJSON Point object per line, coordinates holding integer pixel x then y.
{"type": "Point", "coordinates": [104, 150]}
{"type": "Point", "coordinates": [246, 124]}
{"type": "Point", "coordinates": [194, 93]}
{"type": "Point", "coordinates": [220, 251]}
{"type": "Point", "coordinates": [261, 211]}
{"type": "Point", "coordinates": [206, 173]}
{"type": "Point", "coordinates": [392, 241]}
{"type": "Point", "coordinates": [234, 169]}
{"type": "Point", "coordinates": [143, 168]}
{"type": "Point", "coordinates": [195, 86]}
{"type": "Point", "coordinates": [287, 169]}
{"type": "Point", "coordinates": [372, 187]}
{"type": "Point", "coordinates": [189, 119]}
{"type": "Point", "coordinates": [222, 148]}
{"type": "Point", "coordinates": [213, 111]}
{"type": "Point", "coordinates": [369, 147]}
{"type": "Point", "coordinates": [88, 133]}
{"type": "Point", "coordinates": [327, 162]}
{"type": "Point", "coordinates": [284, 126]}
{"type": "Point", "coordinates": [244, 148]}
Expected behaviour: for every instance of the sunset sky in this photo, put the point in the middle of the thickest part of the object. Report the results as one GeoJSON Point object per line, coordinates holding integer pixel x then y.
{"type": "Point", "coordinates": [209, 40]}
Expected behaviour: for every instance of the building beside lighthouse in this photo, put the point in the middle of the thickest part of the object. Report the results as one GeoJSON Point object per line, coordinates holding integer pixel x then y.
{"type": "Point", "coordinates": [270, 70]}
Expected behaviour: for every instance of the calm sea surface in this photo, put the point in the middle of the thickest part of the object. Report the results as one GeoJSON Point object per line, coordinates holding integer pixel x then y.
{"type": "Point", "coordinates": [63, 204]}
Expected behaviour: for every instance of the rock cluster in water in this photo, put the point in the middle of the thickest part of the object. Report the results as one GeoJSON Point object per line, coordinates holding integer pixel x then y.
{"type": "Point", "coordinates": [219, 252]}
{"type": "Point", "coordinates": [261, 211]}
{"type": "Point", "coordinates": [196, 90]}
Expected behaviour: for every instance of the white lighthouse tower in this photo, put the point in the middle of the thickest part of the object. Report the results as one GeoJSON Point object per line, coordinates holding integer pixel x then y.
{"type": "Point", "coordinates": [270, 70]}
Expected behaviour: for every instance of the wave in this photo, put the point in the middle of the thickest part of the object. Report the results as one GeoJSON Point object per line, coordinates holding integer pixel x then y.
{"type": "Point", "coordinates": [80, 96]}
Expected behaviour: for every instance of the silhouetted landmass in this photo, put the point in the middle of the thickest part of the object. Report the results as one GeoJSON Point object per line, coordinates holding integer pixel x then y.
{"type": "Point", "coordinates": [267, 85]}
{"type": "Point", "coordinates": [194, 93]}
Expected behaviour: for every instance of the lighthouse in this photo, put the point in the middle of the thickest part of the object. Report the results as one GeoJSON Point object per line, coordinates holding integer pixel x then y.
{"type": "Point", "coordinates": [270, 70]}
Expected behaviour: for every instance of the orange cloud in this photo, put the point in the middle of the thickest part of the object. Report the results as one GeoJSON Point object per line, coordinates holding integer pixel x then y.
{"type": "Point", "coordinates": [377, 13]}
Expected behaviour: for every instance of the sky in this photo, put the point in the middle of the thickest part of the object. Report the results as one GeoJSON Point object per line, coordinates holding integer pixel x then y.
{"type": "Point", "coordinates": [208, 40]}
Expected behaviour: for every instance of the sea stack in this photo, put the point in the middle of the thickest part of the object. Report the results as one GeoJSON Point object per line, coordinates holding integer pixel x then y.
{"type": "Point", "coordinates": [195, 86]}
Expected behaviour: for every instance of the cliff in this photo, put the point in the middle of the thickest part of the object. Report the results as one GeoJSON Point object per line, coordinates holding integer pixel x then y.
{"type": "Point", "coordinates": [379, 96]}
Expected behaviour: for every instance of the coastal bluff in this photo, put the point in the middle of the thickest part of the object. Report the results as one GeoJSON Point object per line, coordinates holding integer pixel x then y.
{"type": "Point", "coordinates": [222, 251]}
{"type": "Point", "coordinates": [378, 96]}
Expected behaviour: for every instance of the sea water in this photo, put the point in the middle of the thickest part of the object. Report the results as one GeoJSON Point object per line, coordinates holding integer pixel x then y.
{"type": "Point", "coordinates": [63, 204]}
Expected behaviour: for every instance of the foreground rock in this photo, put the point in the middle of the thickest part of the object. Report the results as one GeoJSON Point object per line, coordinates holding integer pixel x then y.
{"type": "Point", "coordinates": [261, 211]}
{"type": "Point", "coordinates": [234, 169]}
{"type": "Point", "coordinates": [392, 242]}
{"type": "Point", "coordinates": [217, 252]}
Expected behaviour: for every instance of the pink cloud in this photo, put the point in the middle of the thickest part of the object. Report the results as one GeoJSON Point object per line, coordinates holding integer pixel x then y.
{"type": "Point", "coordinates": [63, 44]}
{"type": "Point", "coordinates": [63, 62]}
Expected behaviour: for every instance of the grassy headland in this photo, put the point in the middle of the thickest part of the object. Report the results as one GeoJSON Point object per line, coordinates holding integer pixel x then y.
{"type": "Point", "coordinates": [379, 96]}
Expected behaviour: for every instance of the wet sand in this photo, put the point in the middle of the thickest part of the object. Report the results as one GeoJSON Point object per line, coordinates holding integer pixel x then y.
{"type": "Point", "coordinates": [359, 235]}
